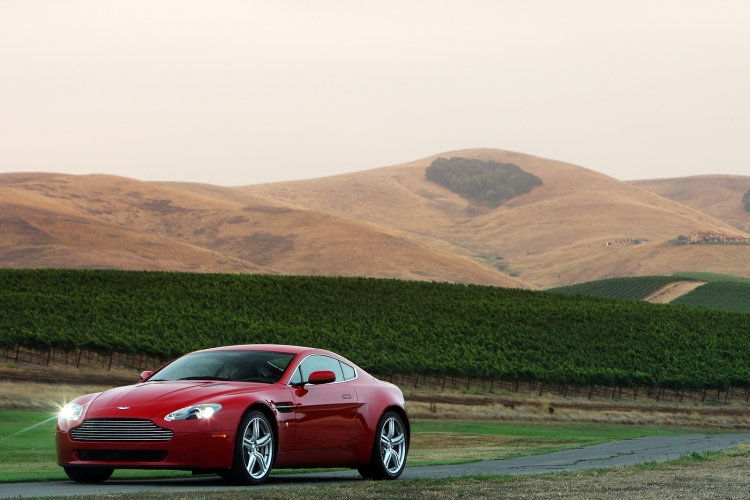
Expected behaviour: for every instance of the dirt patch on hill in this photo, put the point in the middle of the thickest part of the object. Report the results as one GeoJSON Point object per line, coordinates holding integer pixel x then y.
{"type": "Point", "coordinates": [671, 291]}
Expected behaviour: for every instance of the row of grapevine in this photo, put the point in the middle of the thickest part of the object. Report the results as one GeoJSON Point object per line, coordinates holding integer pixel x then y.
{"type": "Point", "coordinates": [385, 326]}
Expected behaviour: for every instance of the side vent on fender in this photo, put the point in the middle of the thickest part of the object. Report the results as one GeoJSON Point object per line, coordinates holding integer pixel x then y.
{"type": "Point", "coordinates": [284, 406]}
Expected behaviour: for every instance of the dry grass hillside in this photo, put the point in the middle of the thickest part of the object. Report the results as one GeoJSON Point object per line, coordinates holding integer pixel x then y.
{"type": "Point", "coordinates": [99, 221]}
{"type": "Point", "coordinates": [719, 196]}
{"type": "Point", "coordinates": [551, 236]}
{"type": "Point", "coordinates": [42, 229]}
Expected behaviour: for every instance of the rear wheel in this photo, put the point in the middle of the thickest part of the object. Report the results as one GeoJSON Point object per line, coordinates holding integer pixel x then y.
{"type": "Point", "coordinates": [389, 449]}
{"type": "Point", "coordinates": [88, 474]}
{"type": "Point", "coordinates": [253, 451]}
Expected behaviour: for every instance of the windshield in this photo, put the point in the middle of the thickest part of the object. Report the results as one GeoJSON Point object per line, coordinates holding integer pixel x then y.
{"type": "Point", "coordinates": [240, 366]}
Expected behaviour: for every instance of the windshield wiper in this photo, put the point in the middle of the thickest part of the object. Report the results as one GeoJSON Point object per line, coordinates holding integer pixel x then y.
{"type": "Point", "coordinates": [204, 377]}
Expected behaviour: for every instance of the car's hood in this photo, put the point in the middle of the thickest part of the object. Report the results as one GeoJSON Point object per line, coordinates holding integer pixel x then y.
{"type": "Point", "coordinates": [153, 397]}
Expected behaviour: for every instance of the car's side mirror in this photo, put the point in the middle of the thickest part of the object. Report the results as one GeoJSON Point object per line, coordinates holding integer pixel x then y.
{"type": "Point", "coordinates": [322, 377]}
{"type": "Point", "coordinates": [145, 375]}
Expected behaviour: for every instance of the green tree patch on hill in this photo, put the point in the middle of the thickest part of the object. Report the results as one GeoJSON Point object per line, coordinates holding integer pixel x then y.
{"type": "Point", "coordinates": [488, 181]}
{"type": "Point", "coordinates": [746, 200]}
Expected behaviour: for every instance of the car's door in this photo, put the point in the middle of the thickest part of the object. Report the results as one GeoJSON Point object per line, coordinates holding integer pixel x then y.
{"type": "Point", "coordinates": [325, 413]}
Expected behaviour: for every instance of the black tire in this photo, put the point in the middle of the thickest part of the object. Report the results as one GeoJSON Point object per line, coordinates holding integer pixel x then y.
{"type": "Point", "coordinates": [383, 448]}
{"type": "Point", "coordinates": [246, 470]}
{"type": "Point", "coordinates": [88, 474]}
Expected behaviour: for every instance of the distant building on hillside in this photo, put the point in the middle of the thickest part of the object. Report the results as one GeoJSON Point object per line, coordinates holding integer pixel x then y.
{"type": "Point", "coordinates": [716, 237]}
{"type": "Point", "coordinates": [640, 242]}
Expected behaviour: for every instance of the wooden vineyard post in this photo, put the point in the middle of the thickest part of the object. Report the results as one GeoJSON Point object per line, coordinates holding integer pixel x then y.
{"type": "Point", "coordinates": [658, 395]}
{"type": "Point", "coordinates": [468, 383]}
{"type": "Point", "coordinates": [727, 394]}
{"type": "Point", "coordinates": [591, 392]}
{"type": "Point", "coordinates": [566, 392]}
{"type": "Point", "coordinates": [140, 363]}
{"type": "Point", "coordinates": [445, 377]}
{"type": "Point", "coordinates": [492, 383]}
{"type": "Point", "coordinates": [18, 350]}
{"type": "Point", "coordinates": [683, 394]}
{"type": "Point", "coordinates": [613, 392]}
{"type": "Point", "coordinates": [78, 362]}
{"type": "Point", "coordinates": [541, 390]}
{"type": "Point", "coordinates": [703, 400]}
{"type": "Point", "coordinates": [109, 368]}
{"type": "Point", "coordinates": [636, 392]}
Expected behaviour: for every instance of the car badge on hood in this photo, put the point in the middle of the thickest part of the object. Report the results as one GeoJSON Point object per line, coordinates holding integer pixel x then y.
{"type": "Point", "coordinates": [123, 407]}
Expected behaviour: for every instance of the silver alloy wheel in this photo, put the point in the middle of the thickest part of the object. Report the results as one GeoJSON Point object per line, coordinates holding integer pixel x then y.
{"type": "Point", "coordinates": [257, 447]}
{"type": "Point", "coordinates": [393, 445]}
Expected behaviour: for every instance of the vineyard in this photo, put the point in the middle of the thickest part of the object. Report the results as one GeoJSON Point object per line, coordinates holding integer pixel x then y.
{"type": "Point", "coordinates": [385, 326]}
{"type": "Point", "coordinates": [722, 295]}
{"type": "Point", "coordinates": [711, 277]}
{"type": "Point", "coordinates": [635, 288]}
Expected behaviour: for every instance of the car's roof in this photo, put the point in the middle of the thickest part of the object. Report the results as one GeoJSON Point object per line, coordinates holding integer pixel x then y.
{"type": "Point", "coordinates": [287, 349]}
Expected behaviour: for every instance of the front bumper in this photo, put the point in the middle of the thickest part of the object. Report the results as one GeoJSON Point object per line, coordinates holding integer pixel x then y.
{"type": "Point", "coordinates": [186, 450]}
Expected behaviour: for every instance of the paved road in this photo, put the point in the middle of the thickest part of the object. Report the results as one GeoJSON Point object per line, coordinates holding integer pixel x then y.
{"type": "Point", "coordinates": [618, 453]}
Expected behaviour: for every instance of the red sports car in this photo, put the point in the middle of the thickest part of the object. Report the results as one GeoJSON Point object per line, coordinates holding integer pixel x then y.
{"type": "Point", "coordinates": [239, 411]}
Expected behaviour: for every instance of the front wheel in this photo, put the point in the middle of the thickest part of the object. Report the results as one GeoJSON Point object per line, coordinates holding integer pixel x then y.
{"type": "Point", "coordinates": [253, 451]}
{"type": "Point", "coordinates": [88, 474]}
{"type": "Point", "coordinates": [389, 449]}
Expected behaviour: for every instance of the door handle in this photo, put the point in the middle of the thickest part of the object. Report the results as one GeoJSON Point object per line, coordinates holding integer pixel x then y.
{"type": "Point", "coordinates": [347, 396]}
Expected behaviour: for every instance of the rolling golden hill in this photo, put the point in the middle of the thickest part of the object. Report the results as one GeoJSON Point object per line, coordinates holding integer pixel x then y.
{"type": "Point", "coordinates": [719, 196]}
{"type": "Point", "coordinates": [552, 236]}
{"type": "Point", "coordinates": [100, 221]}
{"type": "Point", "coordinates": [387, 222]}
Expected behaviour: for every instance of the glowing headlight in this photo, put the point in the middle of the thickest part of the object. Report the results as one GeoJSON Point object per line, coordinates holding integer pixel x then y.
{"type": "Point", "coordinates": [194, 412]}
{"type": "Point", "coordinates": [70, 411]}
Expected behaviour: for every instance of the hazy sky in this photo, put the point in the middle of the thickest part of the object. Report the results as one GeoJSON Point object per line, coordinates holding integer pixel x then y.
{"type": "Point", "coordinates": [242, 92]}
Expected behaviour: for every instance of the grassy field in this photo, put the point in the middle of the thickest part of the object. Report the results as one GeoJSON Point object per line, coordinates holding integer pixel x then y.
{"type": "Point", "coordinates": [724, 474]}
{"type": "Point", "coordinates": [29, 454]}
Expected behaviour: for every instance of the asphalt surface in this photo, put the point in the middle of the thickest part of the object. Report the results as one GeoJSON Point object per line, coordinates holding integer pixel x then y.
{"type": "Point", "coordinates": [613, 454]}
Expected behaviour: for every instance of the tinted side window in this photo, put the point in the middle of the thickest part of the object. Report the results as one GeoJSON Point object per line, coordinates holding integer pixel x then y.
{"type": "Point", "coordinates": [349, 372]}
{"type": "Point", "coordinates": [316, 363]}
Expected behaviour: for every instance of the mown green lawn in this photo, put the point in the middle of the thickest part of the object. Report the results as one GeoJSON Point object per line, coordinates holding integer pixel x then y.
{"type": "Point", "coordinates": [28, 450]}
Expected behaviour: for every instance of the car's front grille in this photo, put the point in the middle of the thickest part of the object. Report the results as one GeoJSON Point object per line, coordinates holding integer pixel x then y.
{"type": "Point", "coordinates": [120, 429]}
